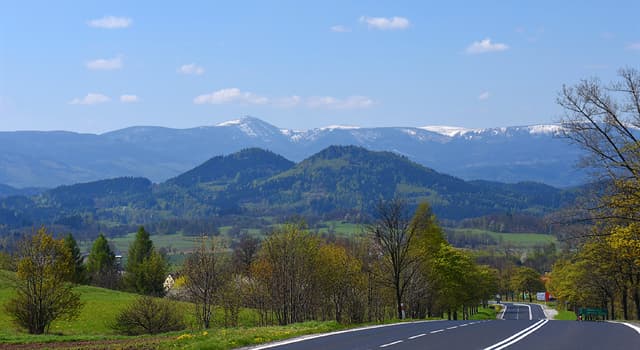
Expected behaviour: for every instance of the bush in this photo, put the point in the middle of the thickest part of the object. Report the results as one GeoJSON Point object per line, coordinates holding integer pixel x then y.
{"type": "Point", "coordinates": [147, 315]}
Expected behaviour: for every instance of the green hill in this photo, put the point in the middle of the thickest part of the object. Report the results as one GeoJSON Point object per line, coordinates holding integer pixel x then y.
{"type": "Point", "coordinates": [100, 308]}
{"type": "Point", "coordinates": [238, 168]}
{"type": "Point", "coordinates": [353, 178]}
{"type": "Point", "coordinates": [337, 182]}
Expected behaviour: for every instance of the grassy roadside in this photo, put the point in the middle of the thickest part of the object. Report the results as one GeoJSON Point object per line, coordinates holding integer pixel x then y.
{"type": "Point", "coordinates": [565, 316]}
{"type": "Point", "coordinates": [489, 313]}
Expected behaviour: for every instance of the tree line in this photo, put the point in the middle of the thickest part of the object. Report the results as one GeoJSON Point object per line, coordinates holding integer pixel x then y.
{"type": "Point", "coordinates": [402, 267]}
{"type": "Point", "coordinates": [603, 268]}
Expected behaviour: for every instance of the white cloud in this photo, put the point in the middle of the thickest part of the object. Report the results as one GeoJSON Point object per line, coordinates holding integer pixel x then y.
{"type": "Point", "coordinates": [484, 96]}
{"type": "Point", "coordinates": [384, 23]}
{"type": "Point", "coordinates": [235, 95]}
{"type": "Point", "coordinates": [340, 29]}
{"type": "Point", "coordinates": [288, 102]}
{"type": "Point", "coordinates": [105, 63]}
{"type": "Point", "coordinates": [91, 99]}
{"type": "Point", "coordinates": [485, 46]}
{"type": "Point", "coordinates": [329, 102]}
{"type": "Point", "coordinates": [230, 95]}
{"type": "Point", "coordinates": [129, 98]}
{"type": "Point", "coordinates": [191, 69]}
{"type": "Point", "coordinates": [110, 22]}
{"type": "Point", "coordinates": [634, 46]}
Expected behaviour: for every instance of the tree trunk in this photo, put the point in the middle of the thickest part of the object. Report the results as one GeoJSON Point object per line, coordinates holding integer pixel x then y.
{"type": "Point", "coordinates": [625, 302]}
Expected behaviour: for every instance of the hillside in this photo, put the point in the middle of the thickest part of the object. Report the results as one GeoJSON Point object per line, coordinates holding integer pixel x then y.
{"type": "Point", "coordinates": [338, 182]}
{"type": "Point", "coordinates": [238, 168]}
{"type": "Point", "coordinates": [349, 177]}
{"type": "Point", "coordinates": [511, 154]}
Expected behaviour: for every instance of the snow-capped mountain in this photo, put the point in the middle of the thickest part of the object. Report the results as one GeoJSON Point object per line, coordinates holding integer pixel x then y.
{"type": "Point", "coordinates": [509, 154]}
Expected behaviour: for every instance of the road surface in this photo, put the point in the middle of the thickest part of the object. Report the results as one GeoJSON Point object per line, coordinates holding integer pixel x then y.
{"type": "Point", "coordinates": [523, 327]}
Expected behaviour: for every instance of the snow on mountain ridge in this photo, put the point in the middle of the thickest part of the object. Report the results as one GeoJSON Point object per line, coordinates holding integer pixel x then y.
{"type": "Point", "coordinates": [450, 131]}
{"type": "Point", "coordinates": [454, 131]}
{"type": "Point", "coordinates": [339, 127]}
{"type": "Point", "coordinates": [230, 122]}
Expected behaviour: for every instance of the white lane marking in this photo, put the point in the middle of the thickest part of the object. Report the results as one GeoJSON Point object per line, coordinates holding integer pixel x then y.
{"type": "Point", "coordinates": [464, 324]}
{"type": "Point", "coordinates": [393, 343]}
{"type": "Point", "coordinates": [438, 331]}
{"type": "Point", "coordinates": [314, 336]}
{"type": "Point", "coordinates": [418, 336]}
{"type": "Point", "coordinates": [518, 336]}
{"type": "Point", "coordinates": [634, 327]}
{"type": "Point", "coordinates": [529, 306]}
{"type": "Point", "coordinates": [454, 327]}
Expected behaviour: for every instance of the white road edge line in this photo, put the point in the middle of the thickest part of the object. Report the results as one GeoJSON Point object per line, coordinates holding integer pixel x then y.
{"type": "Point", "coordinates": [314, 336]}
{"type": "Point", "coordinates": [529, 306]}
{"type": "Point", "coordinates": [515, 338]}
{"type": "Point", "coordinates": [393, 343]}
{"type": "Point", "coordinates": [438, 331]}
{"type": "Point", "coordinates": [417, 336]}
{"type": "Point", "coordinates": [632, 326]}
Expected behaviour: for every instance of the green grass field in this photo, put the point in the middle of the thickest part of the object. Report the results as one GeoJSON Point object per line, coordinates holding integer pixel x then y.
{"type": "Point", "coordinates": [102, 305]}
{"type": "Point", "coordinates": [518, 240]}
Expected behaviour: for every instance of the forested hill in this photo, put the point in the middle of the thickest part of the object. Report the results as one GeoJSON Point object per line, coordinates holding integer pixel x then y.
{"type": "Point", "coordinates": [344, 177]}
{"type": "Point", "coordinates": [337, 182]}
{"type": "Point", "coordinates": [245, 166]}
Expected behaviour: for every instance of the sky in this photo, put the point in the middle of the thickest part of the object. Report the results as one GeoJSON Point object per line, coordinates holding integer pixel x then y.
{"type": "Point", "coordinates": [95, 66]}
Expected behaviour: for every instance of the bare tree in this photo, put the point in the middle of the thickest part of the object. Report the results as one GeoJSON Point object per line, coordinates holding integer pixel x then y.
{"type": "Point", "coordinates": [393, 233]}
{"type": "Point", "coordinates": [203, 270]}
{"type": "Point", "coordinates": [148, 315]}
{"type": "Point", "coordinates": [604, 120]}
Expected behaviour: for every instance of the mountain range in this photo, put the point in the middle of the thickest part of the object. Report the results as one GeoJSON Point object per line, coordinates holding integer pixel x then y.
{"type": "Point", "coordinates": [339, 182]}
{"type": "Point", "coordinates": [511, 154]}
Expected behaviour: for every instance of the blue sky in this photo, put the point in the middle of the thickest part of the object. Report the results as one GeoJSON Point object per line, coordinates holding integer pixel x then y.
{"type": "Point", "coordinates": [95, 66]}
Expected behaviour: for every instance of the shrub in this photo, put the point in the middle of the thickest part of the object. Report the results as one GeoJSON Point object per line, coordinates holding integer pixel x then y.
{"type": "Point", "coordinates": [147, 315]}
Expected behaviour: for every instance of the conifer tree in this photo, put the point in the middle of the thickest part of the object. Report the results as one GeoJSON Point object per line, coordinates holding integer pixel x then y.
{"type": "Point", "coordinates": [146, 268]}
{"type": "Point", "coordinates": [101, 264]}
{"type": "Point", "coordinates": [78, 270]}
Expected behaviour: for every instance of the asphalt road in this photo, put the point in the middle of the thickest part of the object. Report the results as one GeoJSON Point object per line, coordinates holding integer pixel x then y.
{"type": "Point", "coordinates": [516, 331]}
{"type": "Point", "coordinates": [517, 311]}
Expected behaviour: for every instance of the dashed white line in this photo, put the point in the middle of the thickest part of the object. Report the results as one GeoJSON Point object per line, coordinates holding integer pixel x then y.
{"type": "Point", "coordinates": [393, 343]}
{"type": "Point", "coordinates": [454, 327]}
{"type": "Point", "coordinates": [438, 331]}
{"type": "Point", "coordinates": [417, 336]}
{"type": "Point", "coordinates": [464, 324]}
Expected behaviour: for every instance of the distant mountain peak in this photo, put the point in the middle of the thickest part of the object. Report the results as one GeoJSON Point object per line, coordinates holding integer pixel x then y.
{"type": "Point", "coordinates": [252, 127]}
{"type": "Point", "coordinates": [450, 131]}
{"type": "Point", "coordinates": [339, 127]}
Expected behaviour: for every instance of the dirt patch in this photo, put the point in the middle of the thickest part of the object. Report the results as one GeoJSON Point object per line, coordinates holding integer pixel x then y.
{"type": "Point", "coordinates": [144, 343]}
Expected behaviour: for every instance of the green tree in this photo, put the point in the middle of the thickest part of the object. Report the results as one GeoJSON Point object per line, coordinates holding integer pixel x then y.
{"type": "Point", "coordinates": [146, 269]}
{"type": "Point", "coordinates": [43, 294]}
{"type": "Point", "coordinates": [101, 264]}
{"type": "Point", "coordinates": [527, 280]}
{"type": "Point", "coordinates": [288, 268]}
{"type": "Point", "coordinates": [340, 278]}
{"type": "Point", "coordinates": [79, 273]}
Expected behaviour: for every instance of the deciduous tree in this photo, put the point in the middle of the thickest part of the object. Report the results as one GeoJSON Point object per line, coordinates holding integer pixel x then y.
{"type": "Point", "coordinates": [43, 295]}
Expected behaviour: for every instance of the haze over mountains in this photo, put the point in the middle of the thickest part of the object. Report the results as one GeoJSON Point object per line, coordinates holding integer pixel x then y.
{"type": "Point", "coordinates": [511, 154]}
